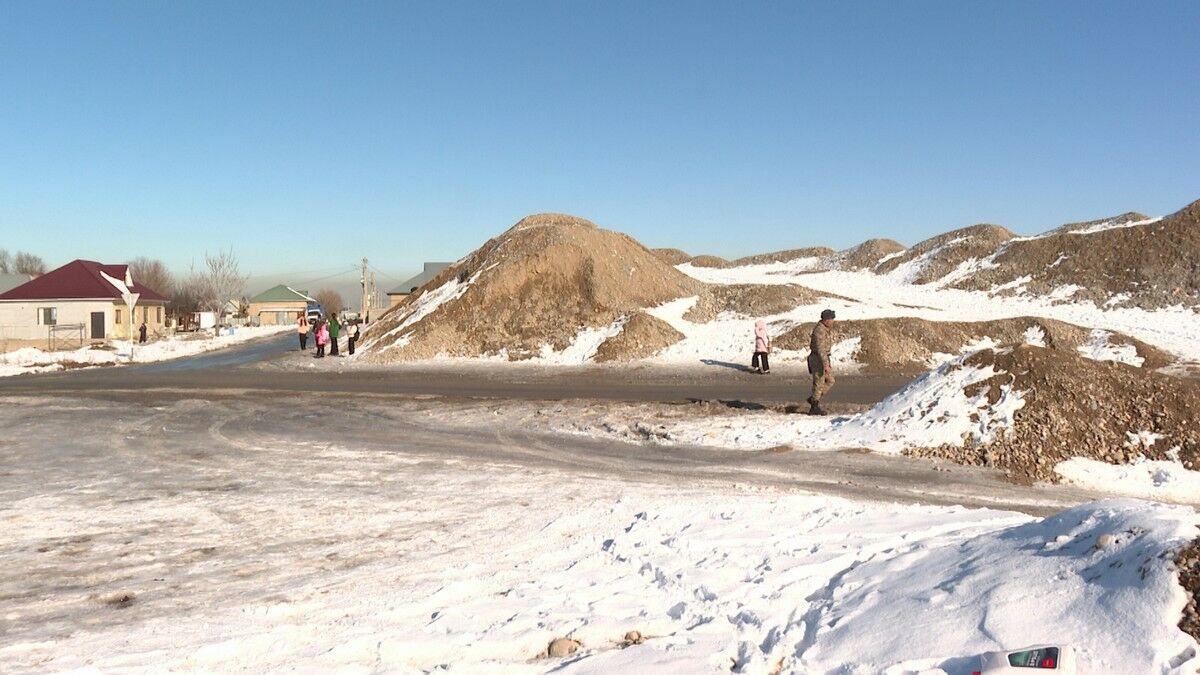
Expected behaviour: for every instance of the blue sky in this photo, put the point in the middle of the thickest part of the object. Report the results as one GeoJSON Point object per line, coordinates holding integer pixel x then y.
{"type": "Point", "coordinates": [309, 135]}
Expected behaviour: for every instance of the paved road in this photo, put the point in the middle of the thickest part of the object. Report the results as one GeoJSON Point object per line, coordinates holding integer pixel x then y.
{"type": "Point", "coordinates": [240, 369]}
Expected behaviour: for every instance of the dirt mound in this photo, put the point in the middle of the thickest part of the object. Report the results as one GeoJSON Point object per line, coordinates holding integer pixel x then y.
{"type": "Point", "coordinates": [1150, 264]}
{"type": "Point", "coordinates": [783, 256]}
{"type": "Point", "coordinates": [671, 256]}
{"type": "Point", "coordinates": [709, 261]}
{"type": "Point", "coordinates": [537, 284]}
{"type": "Point", "coordinates": [933, 259]}
{"type": "Point", "coordinates": [866, 255]}
{"type": "Point", "coordinates": [1123, 219]}
{"type": "Point", "coordinates": [910, 345]}
{"type": "Point", "coordinates": [642, 336]}
{"type": "Point", "coordinates": [1077, 407]}
{"type": "Point", "coordinates": [751, 300]}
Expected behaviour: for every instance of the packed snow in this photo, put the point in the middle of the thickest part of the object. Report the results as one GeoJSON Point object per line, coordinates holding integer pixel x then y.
{"type": "Point", "coordinates": [32, 360]}
{"type": "Point", "coordinates": [244, 551]}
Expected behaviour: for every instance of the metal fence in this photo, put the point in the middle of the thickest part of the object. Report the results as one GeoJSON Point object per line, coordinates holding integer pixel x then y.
{"type": "Point", "coordinates": [65, 335]}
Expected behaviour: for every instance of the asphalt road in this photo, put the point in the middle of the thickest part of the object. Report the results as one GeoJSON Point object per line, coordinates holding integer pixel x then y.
{"type": "Point", "coordinates": [254, 367]}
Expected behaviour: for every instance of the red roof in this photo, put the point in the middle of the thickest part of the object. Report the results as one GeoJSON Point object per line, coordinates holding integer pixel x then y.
{"type": "Point", "coordinates": [79, 279]}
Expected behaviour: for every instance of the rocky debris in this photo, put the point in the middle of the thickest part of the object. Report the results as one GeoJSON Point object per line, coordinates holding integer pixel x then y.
{"type": "Point", "coordinates": [537, 284]}
{"type": "Point", "coordinates": [1077, 407]}
{"type": "Point", "coordinates": [671, 256]}
{"type": "Point", "coordinates": [908, 344]}
{"type": "Point", "coordinates": [1152, 265]}
{"type": "Point", "coordinates": [642, 336]}
{"type": "Point", "coordinates": [560, 647]}
{"type": "Point", "coordinates": [751, 300]}
{"type": "Point", "coordinates": [937, 257]}
{"type": "Point", "coordinates": [634, 637]}
{"type": "Point", "coordinates": [1188, 565]}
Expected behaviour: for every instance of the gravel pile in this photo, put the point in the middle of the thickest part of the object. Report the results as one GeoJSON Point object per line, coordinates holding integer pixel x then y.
{"type": "Point", "coordinates": [1152, 265]}
{"type": "Point", "coordinates": [1077, 407]}
{"type": "Point", "coordinates": [642, 336]}
{"type": "Point", "coordinates": [942, 254]}
{"type": "Point", "coordinates": [751, 300]}
{"type": "Point", "coordinates": [1188, 564]}
{"type": "Point", "coordinates": [540, 283]}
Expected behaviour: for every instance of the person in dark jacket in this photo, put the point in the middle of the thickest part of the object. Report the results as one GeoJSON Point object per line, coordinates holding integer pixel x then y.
{"type": "Point", "coordinates": [351, 337]}
{"type": "Point", "coordinates": [142, 332]}
{"type": "Point", "coordinates": [819, 363]}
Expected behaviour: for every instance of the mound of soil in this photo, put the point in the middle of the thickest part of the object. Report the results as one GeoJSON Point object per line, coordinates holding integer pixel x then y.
{"type": "Point", "coordinates": [1123, 219]}
{"type": "Point", "coordinates": [642, 336]}
{"type": "Point", "coordinates": [866, 255]}
{"type": "Point", "coordinates": [671, 256]}
{"type": "Point", "coordinates": [1149, 265]}
{"type": "Point", "coordinates": [539, 283]}
{"type": "Point", "coordinates": [783, 256]}
{"type": "Point", "coordinates": [1077, 407]}
{"type": "Point", "coordinates": [933, 259]}
{"type": "Point", "coordinates": [751, 300]}
{"type": "Point", "coordinates": [709, 261]}
{"type": "Point", "coordinates": [907, 344]}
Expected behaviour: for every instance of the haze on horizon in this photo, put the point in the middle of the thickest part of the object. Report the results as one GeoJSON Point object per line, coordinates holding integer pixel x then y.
{"type": "Point", "coordinates": [308, 136]}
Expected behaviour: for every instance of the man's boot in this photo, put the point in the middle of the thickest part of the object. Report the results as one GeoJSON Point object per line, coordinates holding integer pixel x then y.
{"type": "Point", "coordinates": [815, 408]}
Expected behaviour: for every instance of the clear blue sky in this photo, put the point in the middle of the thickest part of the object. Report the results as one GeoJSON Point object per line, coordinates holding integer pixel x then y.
{"type": "Point", "coordinates": [309, 135]}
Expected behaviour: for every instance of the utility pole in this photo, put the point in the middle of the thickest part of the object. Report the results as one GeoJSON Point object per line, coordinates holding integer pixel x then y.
{"type": "Point", "coordinates": [364, 307]}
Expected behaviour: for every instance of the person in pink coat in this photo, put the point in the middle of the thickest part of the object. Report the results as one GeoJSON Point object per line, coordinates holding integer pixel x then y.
{"type": "Point", "coordinates": [322, 338]}
{"type": "Point", "coordinates": [762, 346]}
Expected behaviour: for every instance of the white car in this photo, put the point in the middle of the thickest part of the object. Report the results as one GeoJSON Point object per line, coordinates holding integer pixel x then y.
{"type": "Point", "coordinates": [1036, 659]}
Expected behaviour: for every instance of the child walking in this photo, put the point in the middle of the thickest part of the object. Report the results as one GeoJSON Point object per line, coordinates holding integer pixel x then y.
{"type": "Point", "coordinates": [762, 346]}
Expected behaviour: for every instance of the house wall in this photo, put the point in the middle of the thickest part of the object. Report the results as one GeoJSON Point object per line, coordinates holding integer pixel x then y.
{"type": "Point", "coordinates": [20, 320]}
{"type": "Point", "coordinates": [395, 299]}
{"type": "Point", "coordinates": [277, 313]}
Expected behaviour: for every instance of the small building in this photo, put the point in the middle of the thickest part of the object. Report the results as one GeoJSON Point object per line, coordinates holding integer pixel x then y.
{"type": "Point", "coordinates": [399, 293]}
{"type": "Point", "coordinates": [278, 306]}
{"type": "Point", "coordinates": [81, 293]}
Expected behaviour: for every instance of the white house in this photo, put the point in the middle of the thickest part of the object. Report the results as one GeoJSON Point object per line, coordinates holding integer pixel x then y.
{"type": "Point", "coordinates": [81, 293]}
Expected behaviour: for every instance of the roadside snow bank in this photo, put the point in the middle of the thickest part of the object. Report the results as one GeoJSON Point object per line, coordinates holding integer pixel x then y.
{"type": "Point", "coordinates": [31, 360]}
{"type": "Point", "coordinates": [931, 411]}
{"type": "Point", "coordinates": [1147, 478]}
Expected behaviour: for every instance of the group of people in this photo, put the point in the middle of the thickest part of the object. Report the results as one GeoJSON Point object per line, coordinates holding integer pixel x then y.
{"type": "Point", "coordinates": [326, 333]}
{"type": "Point", "coordinates": [820, 366]}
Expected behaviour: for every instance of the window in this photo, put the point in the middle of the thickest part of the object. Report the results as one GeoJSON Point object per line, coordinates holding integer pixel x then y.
{"type": "Point", "coordinates": [117, 320]}
{"type": "Point", "coordinates": [47, 316]}
{"type": "Point", "coordinates": [158, 313]}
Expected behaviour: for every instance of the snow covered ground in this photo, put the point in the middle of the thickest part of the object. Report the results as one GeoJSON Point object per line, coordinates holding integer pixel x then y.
{"type": "Point", "coordinates": [157, 541]}
{"type": "Point", "coordinates": [30, 360]}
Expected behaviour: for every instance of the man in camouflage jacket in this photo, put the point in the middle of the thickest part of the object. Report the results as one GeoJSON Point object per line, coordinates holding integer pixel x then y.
{"type": "Point", "coordinates": [819, 363]}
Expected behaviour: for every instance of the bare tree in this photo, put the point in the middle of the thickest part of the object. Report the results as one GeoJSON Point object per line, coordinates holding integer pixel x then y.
{"type": "Point", "coordinates": [28, 263]}
{"type": "Point", "coordinates": [152, 274]}
{"type": "Point", "coordinates": [220, 281]}
{"type": "Point", "coordinates": [331, 300]}
{"type": "Point", "coordinates": [5, 261]}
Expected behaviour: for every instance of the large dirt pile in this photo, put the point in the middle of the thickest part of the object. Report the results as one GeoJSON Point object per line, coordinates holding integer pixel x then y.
{"type": "Point", "coordinates": [934, 258]}
{"type": "Point", "coordinates": [538, 284]}
{"type": "Point", "coordinates": [909, 344]}
{"type": "Point", "coordinates": [1077, 407]}
{"type": "Point", "coordinates": [783, 256]}
{"type": "Point", "coordinates": [642, 336]}
{"type": "Point", "coordinates": [752, 300]}
{"type": "Point", "coordinates": [1151, 264]}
